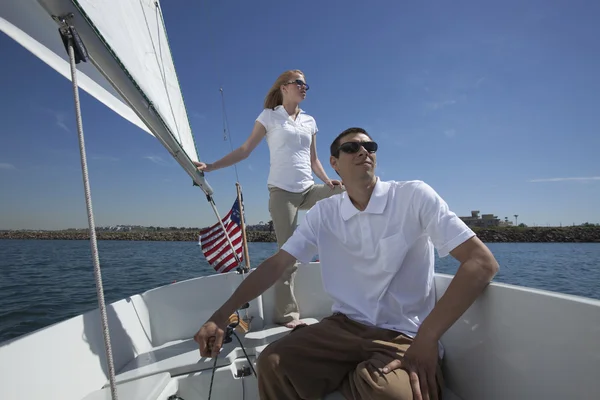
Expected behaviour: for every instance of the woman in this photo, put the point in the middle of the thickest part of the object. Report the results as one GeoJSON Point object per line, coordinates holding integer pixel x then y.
{"type": "Point", "coordinates": [291, 137]}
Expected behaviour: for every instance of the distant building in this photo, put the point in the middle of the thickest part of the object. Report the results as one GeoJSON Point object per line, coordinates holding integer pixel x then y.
{"type": "Point", "coordinates": [506, 222]}
{"type": "Point", "coordinates": [484, 221]}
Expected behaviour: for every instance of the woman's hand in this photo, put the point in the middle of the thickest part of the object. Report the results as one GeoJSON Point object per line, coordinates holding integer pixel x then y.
{"type": "Point", "coordinates": [203, 166]}
{"type": "Point", "coordinates": [332, 183]}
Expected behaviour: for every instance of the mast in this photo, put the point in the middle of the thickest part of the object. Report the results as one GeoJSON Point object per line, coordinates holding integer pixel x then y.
{"type": "Point", "coordinates": [244, 239]}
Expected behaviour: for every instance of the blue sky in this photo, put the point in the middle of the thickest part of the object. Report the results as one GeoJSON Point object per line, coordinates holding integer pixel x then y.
{"type": "Point", "coordinates": [495, 106]}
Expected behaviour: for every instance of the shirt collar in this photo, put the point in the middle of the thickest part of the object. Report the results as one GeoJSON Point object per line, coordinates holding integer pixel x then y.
{"type": "Point", "coordinates": [280, 108]}
{"type": "Point", "coordinates": [376, 205]}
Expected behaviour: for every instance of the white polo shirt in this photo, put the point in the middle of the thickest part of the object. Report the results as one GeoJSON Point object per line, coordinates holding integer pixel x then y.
{"type": "Point", "coordinates": [378, 264]}
{"type": "Point", "coordinates": [289, 147]}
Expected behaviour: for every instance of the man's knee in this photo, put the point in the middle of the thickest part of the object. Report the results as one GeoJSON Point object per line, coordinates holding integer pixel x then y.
{"type": "Point", "coordinates": [284, 348]}
{"type": "Point", "coordinates": [374, 384]}
{"type": "Point", "coordinates": [268, 360]}
{"type": "Point", "coordinates": [271, 356]}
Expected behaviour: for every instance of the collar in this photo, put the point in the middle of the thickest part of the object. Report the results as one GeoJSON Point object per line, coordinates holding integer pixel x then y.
{"type": "Point", "coordinates": [376, 205]}
{"type": "Point", "coordinates": [280, 108]}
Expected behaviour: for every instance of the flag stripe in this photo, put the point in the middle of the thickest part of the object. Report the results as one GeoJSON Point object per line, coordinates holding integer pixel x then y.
{"type": "Point", "coordinates": [217, 246]}
{"type": "Point", "coordinates": [211, 241]}
{"type": "Point", "coordinates": [214, 243]}
{"type": "Point", "coordinates": [227, 264]}
{"type": "Point", "coordinates": [215, 230]}
{"type": "Point", "coordinates": [223, 245]}
{"type": "Point", "coordinates": [218, 252]}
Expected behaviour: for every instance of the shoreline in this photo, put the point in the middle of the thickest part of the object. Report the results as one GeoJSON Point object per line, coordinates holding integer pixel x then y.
{"type": "Point", "coordinates": [575, 234]}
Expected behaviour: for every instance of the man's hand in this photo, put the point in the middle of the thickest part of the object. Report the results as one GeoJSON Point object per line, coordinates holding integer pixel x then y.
{"type": "Point", "coordinates": [420, 362]}
{"type": "Point", "coordinates": [210, 337]}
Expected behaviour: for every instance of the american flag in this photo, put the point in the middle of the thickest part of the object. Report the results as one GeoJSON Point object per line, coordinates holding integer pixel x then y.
{"type": "Point", "coordinates": [214, 243]}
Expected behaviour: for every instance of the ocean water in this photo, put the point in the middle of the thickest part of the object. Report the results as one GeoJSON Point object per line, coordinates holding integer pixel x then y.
{"type": "Point", "coordinates": [44, 282]}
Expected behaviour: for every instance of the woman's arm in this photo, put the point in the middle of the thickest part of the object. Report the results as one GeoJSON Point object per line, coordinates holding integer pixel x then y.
{"type": "Point", "coordinates": [239, 154]}
{"type": "Point", "coordinates": [315, 164]}
{"type": "Point", "coordinates": [317, 167]}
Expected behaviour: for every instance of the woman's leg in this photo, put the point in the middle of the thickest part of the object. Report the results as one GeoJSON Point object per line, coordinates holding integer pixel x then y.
{"type": "Point", "coordinates": [283, 206]}
{"type": "Point", "coordinates": [318, 192]}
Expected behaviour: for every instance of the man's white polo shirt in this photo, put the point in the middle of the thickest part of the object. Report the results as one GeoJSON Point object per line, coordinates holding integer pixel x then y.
{"type": "Point", "coordinates": [378, 264]}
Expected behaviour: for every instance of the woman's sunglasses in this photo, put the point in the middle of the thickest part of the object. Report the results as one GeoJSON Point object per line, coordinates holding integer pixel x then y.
{"type": "Point", "coordinates": [299, 83]}
{"type": "Point", "coordinates": [353, 147]}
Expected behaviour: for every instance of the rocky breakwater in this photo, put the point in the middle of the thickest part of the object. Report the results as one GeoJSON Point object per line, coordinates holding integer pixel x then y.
{"type": "Point", "coordinates": [572, 234]}
{"type": "Point", "coordinates": [141, 235]}
{"type": "Point", "coordinates": [508, 235]}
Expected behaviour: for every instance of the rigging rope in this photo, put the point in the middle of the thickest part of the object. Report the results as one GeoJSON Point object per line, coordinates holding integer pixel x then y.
{"type": "Point", "coordinates": [73, 43]}
{"type": "Point", "coordinates": [210, 198]}
{"type": "Point", "coordinates": [71, 36]}
{"type": "Point", "coordinates": [226, 133]}
{"type": "Point", "coordinates": [212, 45]}
{"type": "Point", "coordinates": [230, 330]}
{"type": "Point", "coordinates": [226, 130]}
{"type": "Point", "coordinates": [162, 70]}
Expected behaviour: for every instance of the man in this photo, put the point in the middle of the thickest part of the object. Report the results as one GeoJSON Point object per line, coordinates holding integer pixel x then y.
{"type": "Point", "coordinates": [376, 247]}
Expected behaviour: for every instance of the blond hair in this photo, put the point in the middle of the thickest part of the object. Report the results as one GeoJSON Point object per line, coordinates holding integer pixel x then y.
{"type": "Point", "coordinates": [274, 97]}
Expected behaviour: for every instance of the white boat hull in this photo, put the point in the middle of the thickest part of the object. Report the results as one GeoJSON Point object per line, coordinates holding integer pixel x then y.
{"type": "Point", "coordinates": [513, 343]}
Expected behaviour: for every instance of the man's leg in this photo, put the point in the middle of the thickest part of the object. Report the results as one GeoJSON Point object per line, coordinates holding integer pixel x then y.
{"type": "Point", "coordinates": [311, 361]}
{"type": "Point", "coordinates": [283, 206]}
{"type": "Point", "coordinates": [367, 382]}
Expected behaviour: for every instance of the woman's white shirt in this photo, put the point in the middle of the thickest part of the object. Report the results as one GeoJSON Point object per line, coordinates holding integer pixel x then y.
{"type": "Point", "coordinates": [289, 147]}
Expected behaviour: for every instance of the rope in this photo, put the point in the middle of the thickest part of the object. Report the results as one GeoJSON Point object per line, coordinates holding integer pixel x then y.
{"type": "Point", "coordinates": [211, 37]}
{"type": "Point", "coordinates": [226, 130]}
{"type": "Point", "coordinates": [65, 29]}
{"type": "Point", "coordinates": [226, 136]}
{"type": "Point", "coordinates": [212, 377]}
{"type": "Point", "coordinates": [212, 45]}
{"type": "Point", "coordinates": [209, 197]}
{"type": "Point", "coordinates": [162, 62]}
{"type": "Point", "coordinates": [124, 69]}
{"type": "Point", "coordinates": [245, 354]}
{"type": "Point", "coordinates": [94, 244]}
{"type": "Point", "coordinates": [226, 339]}
{"type": "Point", "coordinates": [93, 239]}
{"type": "Point", "coordinates": [162, 72]}
{"type": "Point", "coordinates": [211, 201]}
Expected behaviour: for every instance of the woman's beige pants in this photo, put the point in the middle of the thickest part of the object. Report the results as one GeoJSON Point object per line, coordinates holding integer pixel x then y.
{"type": "Point", "coordinates": [284, 206]}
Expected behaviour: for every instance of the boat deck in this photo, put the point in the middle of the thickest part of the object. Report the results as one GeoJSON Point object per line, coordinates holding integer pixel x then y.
{"type": "Point", "coordinates": [504, 347]}
{"type": "Point", "coordinates": [149, 374]}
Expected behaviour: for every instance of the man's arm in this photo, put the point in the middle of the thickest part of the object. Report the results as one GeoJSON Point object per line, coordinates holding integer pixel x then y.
{"type": "Point", "coordinates": [450, 235]}
{"type": "Point", "coordinates": [262, 278]}
{"type": "Point", "coordinates": [477, 268]}
{"type": "Point", "coordinates": [265, 275]}
{"type": "Point", "coordinates": [302, 246]}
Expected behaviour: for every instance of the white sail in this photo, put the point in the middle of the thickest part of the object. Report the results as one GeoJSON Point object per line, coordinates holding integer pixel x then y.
{"type": "Point", "coordinates": [135, 32]}
{"type": "Point", "coordinates": [130, 60]}
{"type": "Point", "coordinates": [28, 24]}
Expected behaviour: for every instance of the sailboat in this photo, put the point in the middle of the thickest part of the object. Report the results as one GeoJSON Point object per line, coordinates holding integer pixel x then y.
{"type": "Point", "coordinates": [513, 343]}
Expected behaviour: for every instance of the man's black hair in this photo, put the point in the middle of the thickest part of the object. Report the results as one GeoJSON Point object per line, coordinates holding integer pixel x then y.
{"type": "Point", "coordinates": [335, 146]}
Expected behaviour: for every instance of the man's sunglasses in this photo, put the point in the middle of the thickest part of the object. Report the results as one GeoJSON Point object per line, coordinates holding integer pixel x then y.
{"type": "Point", "coordinates": [299, 83]}
{"type": "Point", "coordinates": [354, 147]}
